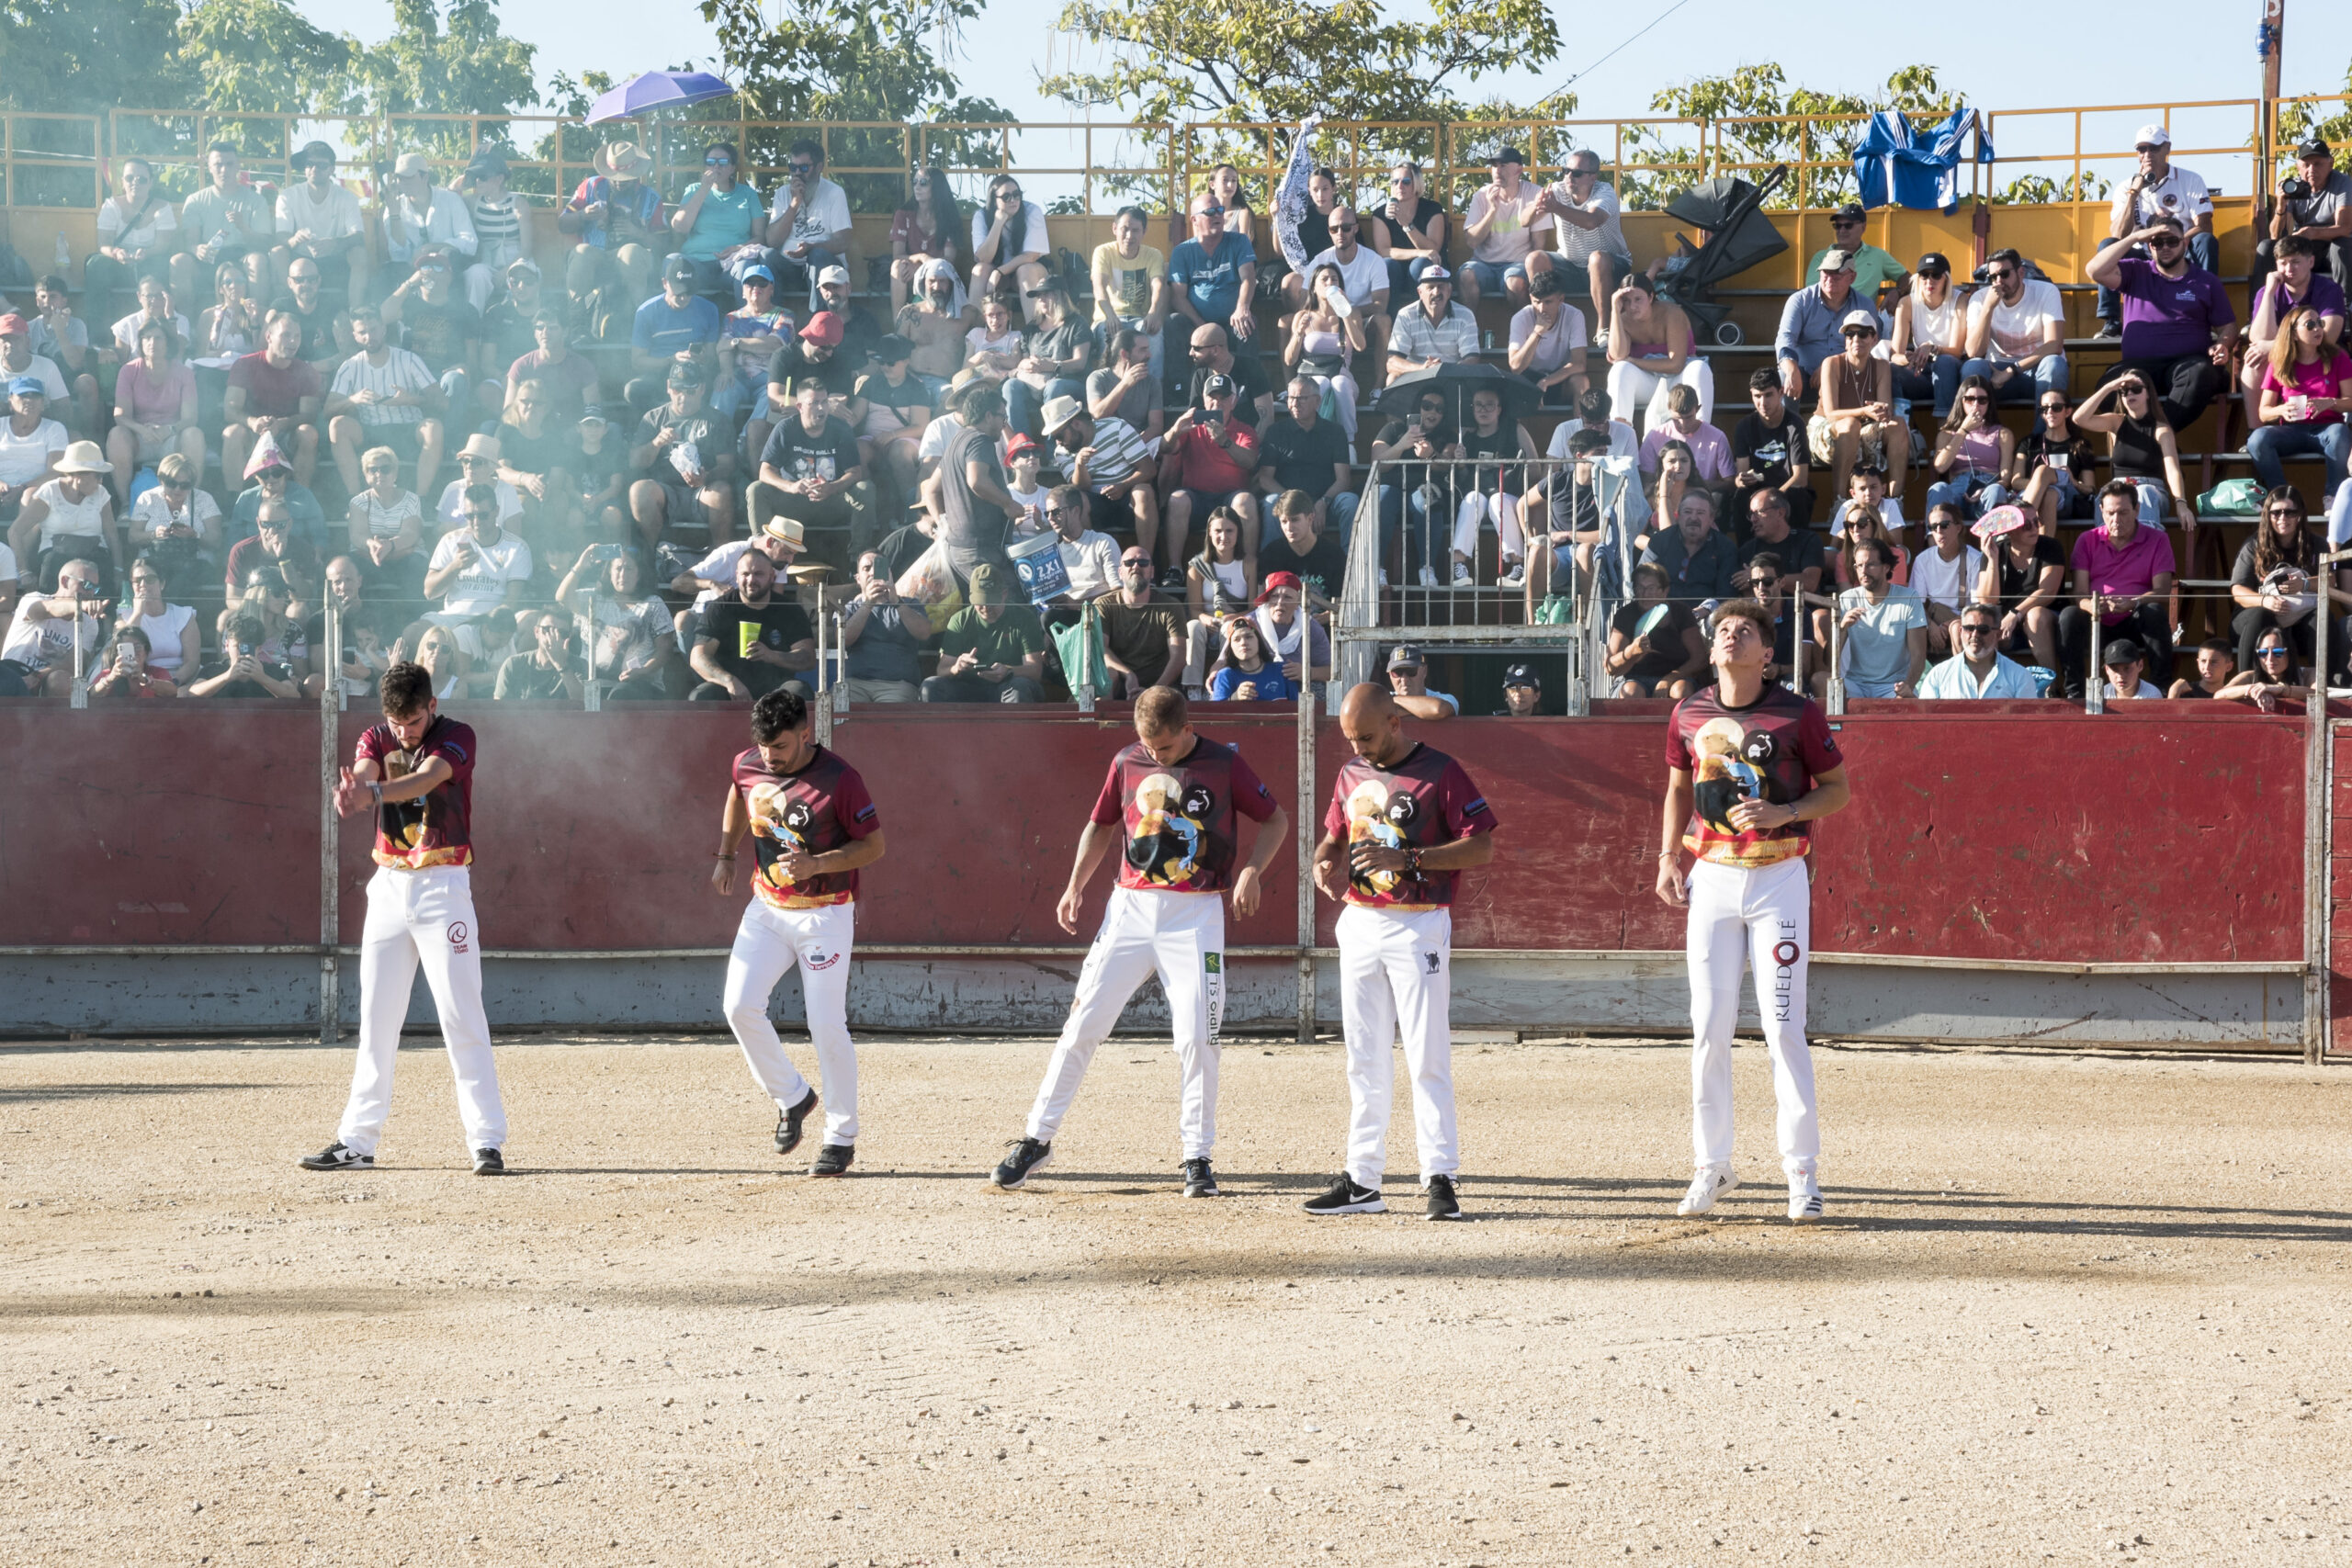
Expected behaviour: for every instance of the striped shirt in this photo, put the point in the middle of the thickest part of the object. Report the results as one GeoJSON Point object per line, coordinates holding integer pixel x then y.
{"type": "Point", "coordinates": [1117, 450]}
{"type": "Point", "coordinates": [400, 372]}
{"type": "Point", "coordinates": [1449, 342]}
{"type": "Point", "coordinates": [496, 222]}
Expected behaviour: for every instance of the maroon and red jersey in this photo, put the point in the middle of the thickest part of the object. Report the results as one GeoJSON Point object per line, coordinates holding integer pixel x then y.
{"type": "Point", "coordinates": [436, 829]}
{"type": "Point", "coordinates": [1423, 801]}
{"type": "Point", "coordinates": [1179, 821]}
{"type": "Point", "coordinates": [1772, 750]}
{"type": "Point", "coordinates": [819, 808]}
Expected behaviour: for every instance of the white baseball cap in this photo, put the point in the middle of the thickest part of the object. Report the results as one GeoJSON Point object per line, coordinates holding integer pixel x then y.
{"type": "Point", "coordinates": [833, 275]}
{"type": "Point", "coordinates": [2151, 136]}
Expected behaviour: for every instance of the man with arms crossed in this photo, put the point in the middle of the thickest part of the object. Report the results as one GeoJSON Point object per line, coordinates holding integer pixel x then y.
{"type": "Point", "coordinates": [1404, 818]}
{"type": "Point", "coordinates": [812, 826]}
{"type": "Point", "coordinates": [1750, 767]}
{"type": "Point", "coordinates": [415, 770]}
{"type": "Point", "coordinates": [1171, 798]}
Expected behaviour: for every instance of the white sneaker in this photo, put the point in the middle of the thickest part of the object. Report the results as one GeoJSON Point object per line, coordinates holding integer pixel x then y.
{"type": "Point", "coordinates": [1705, 1188]}
{"type": "Point", "coordinates": [1429, 578]}
{"type": "Point", "coordinates": [1805, 1201]}
{"type": "Point", "coordinates": [1514, 576]}
{"type": "Point", "coordinates": [1462, 578]}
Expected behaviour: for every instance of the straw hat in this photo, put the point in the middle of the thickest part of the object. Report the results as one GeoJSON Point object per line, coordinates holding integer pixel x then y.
{"type": "Point", "coordinates": [83, 457]}
{"type": "Point", "coordinates": [623, 161]}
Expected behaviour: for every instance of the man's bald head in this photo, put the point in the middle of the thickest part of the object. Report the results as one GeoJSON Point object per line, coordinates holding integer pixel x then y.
{"type": "Point", "coordinates": [1374, 724]}
{"type": "Point", "coordinates": [1366, 701]}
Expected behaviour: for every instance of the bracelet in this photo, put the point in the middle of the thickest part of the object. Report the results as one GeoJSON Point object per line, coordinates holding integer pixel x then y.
{"type": "Point", "coordinates": [377, 790]}
{"type": "Point", "coordinates": [1413, 865]}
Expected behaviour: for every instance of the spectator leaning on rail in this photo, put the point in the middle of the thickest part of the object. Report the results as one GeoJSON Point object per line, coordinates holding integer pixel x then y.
{"type": "Point", "coordinates": [1651, 350]}
{"type": "Point", "coordinates": [318, 219]}
{"type": "Point", "coordinates": [2017, 332]}
{"type": "Point", "coordinates": [2178, 329]}
{"type": "Point", "coordinates": [2294, 283]}
{"type": "Point", "coordinates": [2126, 666]}
{"type": "Point", "coordinates": [1769, 451]}
{"type": "Point", "coordinates": [1882, 629]}
{"type": "Point", "coordinates": [227, 221]}
{"type": "Point", "coordinates": [614, 215]}
{"type": "Point", "coordinates": [2305, 394]}
{"type": "Point", "coordinates": [1812, 324]}
{"type": "Point", "coordinates": [2158, 190]}
{"type": "Point", "coordinates": [1979, 670]}
{"type": "Point", "coordinates": [992, 650]}
{"type": "Point", "coordinates": [2217, 667]}
{"type": "Point", "coordinates": [128, 673]}
{"type": "Point", "coordinates": [751, 639]}
{"type": "Point", "coordinates": [1930, 336]}
{"type": "Point", "coordinates": [2320, 213]}
{"type": "Point", "coordinates": [1855, 418]}
{"type": "Point", "coordinates": [245, 666]}
{"type": "Point", "coordinates": [2123, 574]}
{"type": "Point", "coordinates": [1655, 649]}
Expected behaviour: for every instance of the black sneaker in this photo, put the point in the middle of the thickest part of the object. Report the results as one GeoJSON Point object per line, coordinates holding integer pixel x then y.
{"type": "Point", "coordinates": [1442, 1205]}
{"type": "Point", "coordinates": [488, 1162]}
{"type": "Point", "coordinates": [2107, 331]}
{"type": "Point", "coordinates": [1199, 1181]}
{"type": "Point", "coordinates": [1346, 1198]}
{"type": "Point", "coordinates": [1172, 580]}
{"type": "Point", "coordinates": [1027, 1158]}
{"type": "Point", "coordinates": [336, 1156]}
{"type": "Point", "coordinates": [833, 1159]}
{"type": "Point", "coordinates": [788, 1124]}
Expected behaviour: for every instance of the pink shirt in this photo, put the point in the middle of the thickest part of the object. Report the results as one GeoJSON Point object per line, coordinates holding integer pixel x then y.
{"type": "Point", "coordinates": [2322, 377]}
{"type": "Point", "coordinates": [2128, 572]}
{"type": "Point", "coordinates": [152, 401]}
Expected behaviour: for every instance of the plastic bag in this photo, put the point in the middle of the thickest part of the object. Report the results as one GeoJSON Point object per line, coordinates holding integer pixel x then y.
{"type": "Point", "coordinates": [931, 581]}
{"type": "Point", "coordinates": [2232, 498]}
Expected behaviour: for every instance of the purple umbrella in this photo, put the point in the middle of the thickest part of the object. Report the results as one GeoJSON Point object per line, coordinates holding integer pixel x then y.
{"type": "Point", "coordinates": [655, 90]}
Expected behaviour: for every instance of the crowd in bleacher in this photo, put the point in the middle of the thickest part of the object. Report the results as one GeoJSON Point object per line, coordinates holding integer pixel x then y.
{"type": "Point", "coordinates": [657, 469]}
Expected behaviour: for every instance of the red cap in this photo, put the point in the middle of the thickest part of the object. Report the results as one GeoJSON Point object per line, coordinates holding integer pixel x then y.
{"type": "Point", "coordinates": [12, 325]}
{"type": "Point", "coordinates": [823, 327]}
{"type": "Point", "coordinates": [1280, 580]}
{"type": "Point", "coordinates": [1024, 441]}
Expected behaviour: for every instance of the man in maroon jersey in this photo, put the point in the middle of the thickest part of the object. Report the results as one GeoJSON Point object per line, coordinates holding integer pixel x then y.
{"type": "Point", "coordinates": [812, 827]}
{"type": "Point", "coordinates": [1751, 765]}
{"type": "Point", "coordinates": [1172, 799]}
{"type": "Point", "coordinates": [415, 770]}
{"type": "Point", "coordinates": [1404, 820]}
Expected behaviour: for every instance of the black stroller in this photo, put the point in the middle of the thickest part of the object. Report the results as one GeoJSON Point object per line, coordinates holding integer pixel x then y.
{"type": "Point", "coordinates": [1738, 236]}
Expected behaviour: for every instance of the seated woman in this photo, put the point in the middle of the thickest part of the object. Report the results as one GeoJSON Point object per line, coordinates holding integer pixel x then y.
{"type": "Point", "coordinates": [928, 228]}
{"type": "Point", "coordinates": [1225, 184]}
{"type": "Point", "coordinates": [2141, 446]}
{"type": "Point", "coordinates": [632, 648]}
{"type": "Point", "coordinates": [1649, 350]}
{"type": "Point", "coordinates": [154, 411]}
{"type": "Point", "coordinates": [2053, 470]}
{"type": "Point", "coordinates": [1678, 471]}
{"type": "Point", "coordinates": [171, 633]}
{"type": "Point", "coordinates": [177, 525]}
{"type": "Point", "coordinates": [1008, 243]}
{"type": "Point", "coordinates": [540, 459]}
{"type": "Point", "coordinates": [1975, 452]}
{"type": "Point", "coordinates": [1324, 338]}
{"type": "Point", "coordinates": [130, 673]}
{"type": "Point", "coordinates": [1930, 336]}
{"type": "Point", "coordinates": [2275, 581]}
{"type": "Point", "coordinates": [69, 518]}
{"type": "Point", "coordinates": [1491, 491]}
{"type": "Point", "coordinates": [996, 345]}
{"type": "Point", "coordinates": [2275, 674]}
{"type": "Point", "coordinates": [2025, 575]}
{"type": "Point", "coordinates": [387, 530]}
{"type": "Point", "coordinates": [1655, 649]}
{"type": "Point", "coordinates": [1219, 583]}
{"type": "Point", "coordinates": [137, 230]}
{"type": "Point", "coordinates": [1245, 674]}
{"type": "Point", "coordinates": [2306, 392]}
{"type": "Point", "coordinates": [1053, 363]}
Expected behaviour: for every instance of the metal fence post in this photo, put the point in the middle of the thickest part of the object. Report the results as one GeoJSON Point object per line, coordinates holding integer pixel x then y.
{"type": "Point", "coordinates": [2094, 677]}
{"type": "Point", "coordinates": [2318, 803]}
{"type": "Point", "coordinates": [329, 857]}
{"type": "Point", "coordinates": [1305, 834]}
{"type": "Point", "coordinates": [824, 704]}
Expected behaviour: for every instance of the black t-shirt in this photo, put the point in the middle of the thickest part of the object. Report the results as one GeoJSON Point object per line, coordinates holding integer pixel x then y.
{"type": "Point", "coordinates": [1314, 233]}
{"type": "Point", "coordinates": [1248, 376]}
{"type": "Point", "coordinates": [735, 626]}
{"type": "Point", "coordinates": [1768, 447]}
{"type": "Point", "coordinates": [706, 430]}
{"type": "Point", "coordinates": [2305, 555]}
{"type": "Point", "coordinates": [440, 335]}
{"type": "Point", "coordinates": [1302, 458]}
{"type": "Point", "coordinates": [554, 447]}
{"type": "Point", "coordinates": [508, 328]}
{"type": "Point", "coordinates": [1321, 568]}
{"type": "Point", "coordinates": [1668, 650]}
{"type": "Point", "coordinates": [1410, 475]}
{"type": "Point", "coordinates": [796, 454]}
{"type": "Point", "coordinates": [1501, 442]}
{"type": "Point", "coordinates": [2071, 455]}
{"type": "Point", "coordinates": [838, 372]}
{"type": "Point", "coordinates": [2016, 582]}
{"type": "Point", "coordinates": [907, 396]}
{"type": "Point", "coordinates": [1423, 210]}
{"type": "Point", "coordinates": [861, 339]}
{"type": "Point", "coordinates": [1799, 551]}
{"type": "Point", "coordinates": [318, 328]}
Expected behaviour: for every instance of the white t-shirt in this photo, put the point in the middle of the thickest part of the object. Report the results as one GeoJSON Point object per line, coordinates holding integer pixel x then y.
{"type": "Point", "coordinates": [715, 572]}
{"type": "Point", "coordinates": [52, 381]}
{"type": "Point", "coordinates": [22, 457]}
{"type": "Point", "coordinates": [1553, 347]}
{"type": "Point", "coordinates": [1939, 323]}
{"type": "Point", "coordinates": [1358, 278]}
{"type": "Point", "coordinates": [1951, 583]}
{"type": "Point", "coordinates": [71, 519]}
{"type": "Point", "coordinates": [7, 565]}
{"type": "Point", "coordinates": [157, 220]}
{"type": "Point", "coordinates": [34, 643]}
{"type": "Point", "coordinates": [126, 336]}
{"type": "Point", "coordinates": [151, 513]}
{"type": "Point", "coordinates": [2019, 329]}
{"type": "Point", "coordinates": [167, 638]}
{"type": "Point", "coordinates": [1889, 511]}
{"type": "Point", "coordinates": [2181, 194]}
{"type": "Point", "coordinates": [936, 436]}
{"type": "Point", "coordinates": [1623, 442]}
{"type": "Point", "coordinates": [481, 587]}
{"type": "Point", "coordinates": [400, 372]}
{"type": "Point", "coordinates": [825, 212]}
{"type": "Point", "coordinates": [1581, 245]}
{"type": "Point", "coordinates": [1092, 562]}
{"type": "Point", "coordinates": [335, 216]}
{"type": "Point", "coordinates": [2147, 690]}
{"type": "Point", "coordinates": [452, 510]}
{"type": "Point", "coordinates": [1510, 238]}
{"type": "Point", "coordinates": [1032, 229]}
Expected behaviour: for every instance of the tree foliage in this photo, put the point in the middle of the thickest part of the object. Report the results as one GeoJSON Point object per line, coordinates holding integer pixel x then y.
{"type": "Point", "coordinates": [75, 56]}
{"type": "Point", "coordinates": [263, 56]}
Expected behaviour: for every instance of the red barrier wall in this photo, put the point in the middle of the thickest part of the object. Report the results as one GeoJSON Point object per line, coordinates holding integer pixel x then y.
{"type": "Point", "coordinates": [2169, 832]}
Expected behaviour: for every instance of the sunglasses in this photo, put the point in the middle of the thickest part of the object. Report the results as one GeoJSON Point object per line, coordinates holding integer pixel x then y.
{"type": "Point", "coordinates": [1977, 398]}
{"type": "Point", "coordinates": [802, 168]}
{"type": "Point", "coordinates": [2056, 406]}
{"type": "Point", "coordinates": [1135, 562]}
{"type": "Point", "coordinates": [1859, 331]}
{"type": "Point", "coordinates": [2164, 242]}
{"type": "Point", "coordinates": [2285, 512]}
{"type": "Point", "coordinates": [2270, 653]}
{"type": "Point", "coordinates": [718, 162]}
{"type": "Point", "coordinates": [2003, 275]}
{"type": "Point", "coordinates": [1946, 526]}
{"type": "Point", "coordinates": [1763, 583]}
{"type": "Point", "coordinates": [1208, 212]}
{"type": "Point", "coordinates": [183, 486]}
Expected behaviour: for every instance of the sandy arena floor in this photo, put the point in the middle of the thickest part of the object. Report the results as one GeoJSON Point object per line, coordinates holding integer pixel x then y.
{"type": "Point", "coordinates": [2065, 1308]}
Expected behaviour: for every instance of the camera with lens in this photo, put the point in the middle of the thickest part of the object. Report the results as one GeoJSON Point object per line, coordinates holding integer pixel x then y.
{"type": "Point", "coordinates": [2295, 188]}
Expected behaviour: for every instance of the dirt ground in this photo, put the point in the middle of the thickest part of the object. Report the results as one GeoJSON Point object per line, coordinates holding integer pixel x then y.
{"type": "Point", "coordinates": [2065, 1308]}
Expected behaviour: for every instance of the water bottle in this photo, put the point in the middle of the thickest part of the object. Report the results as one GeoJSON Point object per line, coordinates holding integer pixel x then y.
{"type": "Point", "coordinates": [65, 254]}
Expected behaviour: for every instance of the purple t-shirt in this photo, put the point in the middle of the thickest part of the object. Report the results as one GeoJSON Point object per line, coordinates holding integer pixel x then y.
{"type": "Point", "coordinates": [2165, 317]}
{"type": "Point", "coordinates": [2322, 293]}
{"type": "Point", "coordinates": [2123, 573]}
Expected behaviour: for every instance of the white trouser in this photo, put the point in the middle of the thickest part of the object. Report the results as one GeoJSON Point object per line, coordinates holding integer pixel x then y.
{"type": "Point", "coordinates": [767, 944]}
{"type": "Point", "coordinates": [1182, 936]}
{"type": "Point", "coordinates": [1510, 538]}
{"type": "Point", "coordinates": [421, 917]}
{"type": "Point", "coordinates": [1763, 916]}
{"type": "Point", "coordinates": [1630, 386]}
{"type": "Point", "coordinates": [1397, 971]}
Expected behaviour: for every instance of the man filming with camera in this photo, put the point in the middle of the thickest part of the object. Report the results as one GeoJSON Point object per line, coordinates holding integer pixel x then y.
{"type": "Point", "coordinates": [2315, 203]}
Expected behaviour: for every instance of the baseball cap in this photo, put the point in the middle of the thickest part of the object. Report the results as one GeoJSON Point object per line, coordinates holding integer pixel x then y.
{"type": "Point", "coordinates": [1865, 318]}
{"type": "Point", "coordinates": [1521, 675]}
{"type": "Point", "coordinates": [413, 164]}
{"type": "Point", "coordinates": [1022, 441]}
{"type": "Point", "coordinates": [685, 374]}
{"type": "Point", "coordinates": [312, 152]}
{"type": "Point", "coordinates": [1835, 260]}
{"type": "Point", "coordinates": [1407, 657]}
{"type": "Point", "coordinates": [1508, 155]}
{"type": "Point", "coordinates": [1434, 274]}
{"type": "Point", "coordinates": [1852, 212]}
{"type": "Point", "coordinates": [522, 263]}
{"type": "Point", "coordinates": [27, 387]}
{"type": "Point", "coordinates": [1217, 386]}
{"type": "Point", "coordinates": [2120, 652]}
{"type": "Point", "coordinates": [678, 269]}
{"type": "Point", "coordinates": [756, 271]}
{"type": "Point", "coordinates": [2151, 136]}
{"type": "Point", "coordinates": [1935, 264]}
{"type": "Point", "coordinates": [12, 325]}
{"type": "Point", "coordinates": [485, 163]}
{"type": "Point", "coordinates": [825, 327]}
{"type": "Point", "coordinates": [989, 586]}
{"type": "Point", "coordinates": [1278, 580]}
{"type": "Point", "coordinates": [891, 349]}
{"type": "Point", "coordinates": [2314, 147]}
{"type": "Point", "coordinates": [592, 415]}
{"type": "Point", "coordinates": [833, 275]}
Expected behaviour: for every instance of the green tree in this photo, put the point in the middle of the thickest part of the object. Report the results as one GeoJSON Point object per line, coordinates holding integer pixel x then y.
{"type": "Point", "coordinates": [263, 56]}
{"type": "Point", "coordinates": [468, 66]}
{"type": "Point", "coordinates": [77, 56]}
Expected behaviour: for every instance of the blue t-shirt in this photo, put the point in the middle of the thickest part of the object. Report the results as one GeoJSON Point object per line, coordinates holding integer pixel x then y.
{"type": "Point", "coordinates": [1273, 686]}
{"type": "Point", "coordinates": [659, 328]}
{"type": "Point", "coordinates": [1214, 282]}
{"type": "Point", "coordinates": [727, 219]}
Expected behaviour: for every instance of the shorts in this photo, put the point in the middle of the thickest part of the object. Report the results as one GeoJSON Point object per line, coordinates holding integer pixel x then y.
{"type": "Point", "coordinates": [682, 506]}
{"type": "Point", "coordinates": [405, 439]}
{"type": "Point", "coordinates": [1495, 277]}
{"type": "Point", "coordinates": [1824, 445]}
{"type": "Point", "coordinates": [1109, 517]}
{"type": "Point", "coordinates": [1204, 502]}
{"type": "Point", "coordinates": [1859, 688]}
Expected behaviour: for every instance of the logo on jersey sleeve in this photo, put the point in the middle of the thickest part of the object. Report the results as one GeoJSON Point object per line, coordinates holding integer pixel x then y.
{"type": "Point", "coordinates": [1171, 833]}
{"type": "Point", "coordinates": [1374, 818]}
{"type": "Point", "coordinates": [1731, 768]}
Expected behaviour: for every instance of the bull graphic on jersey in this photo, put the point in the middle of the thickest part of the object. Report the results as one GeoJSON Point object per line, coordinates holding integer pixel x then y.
{"type": "Point", "coordinates": [402, 822]}
{"type": "Point", "coordinates": [1732, 767]}
{"type": "Point", "coordinates": [780, 825]}
{"type": "Point", "coordinates": [1374, 816]}
{"type": "Point", "coordinates": [1169, 835]}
